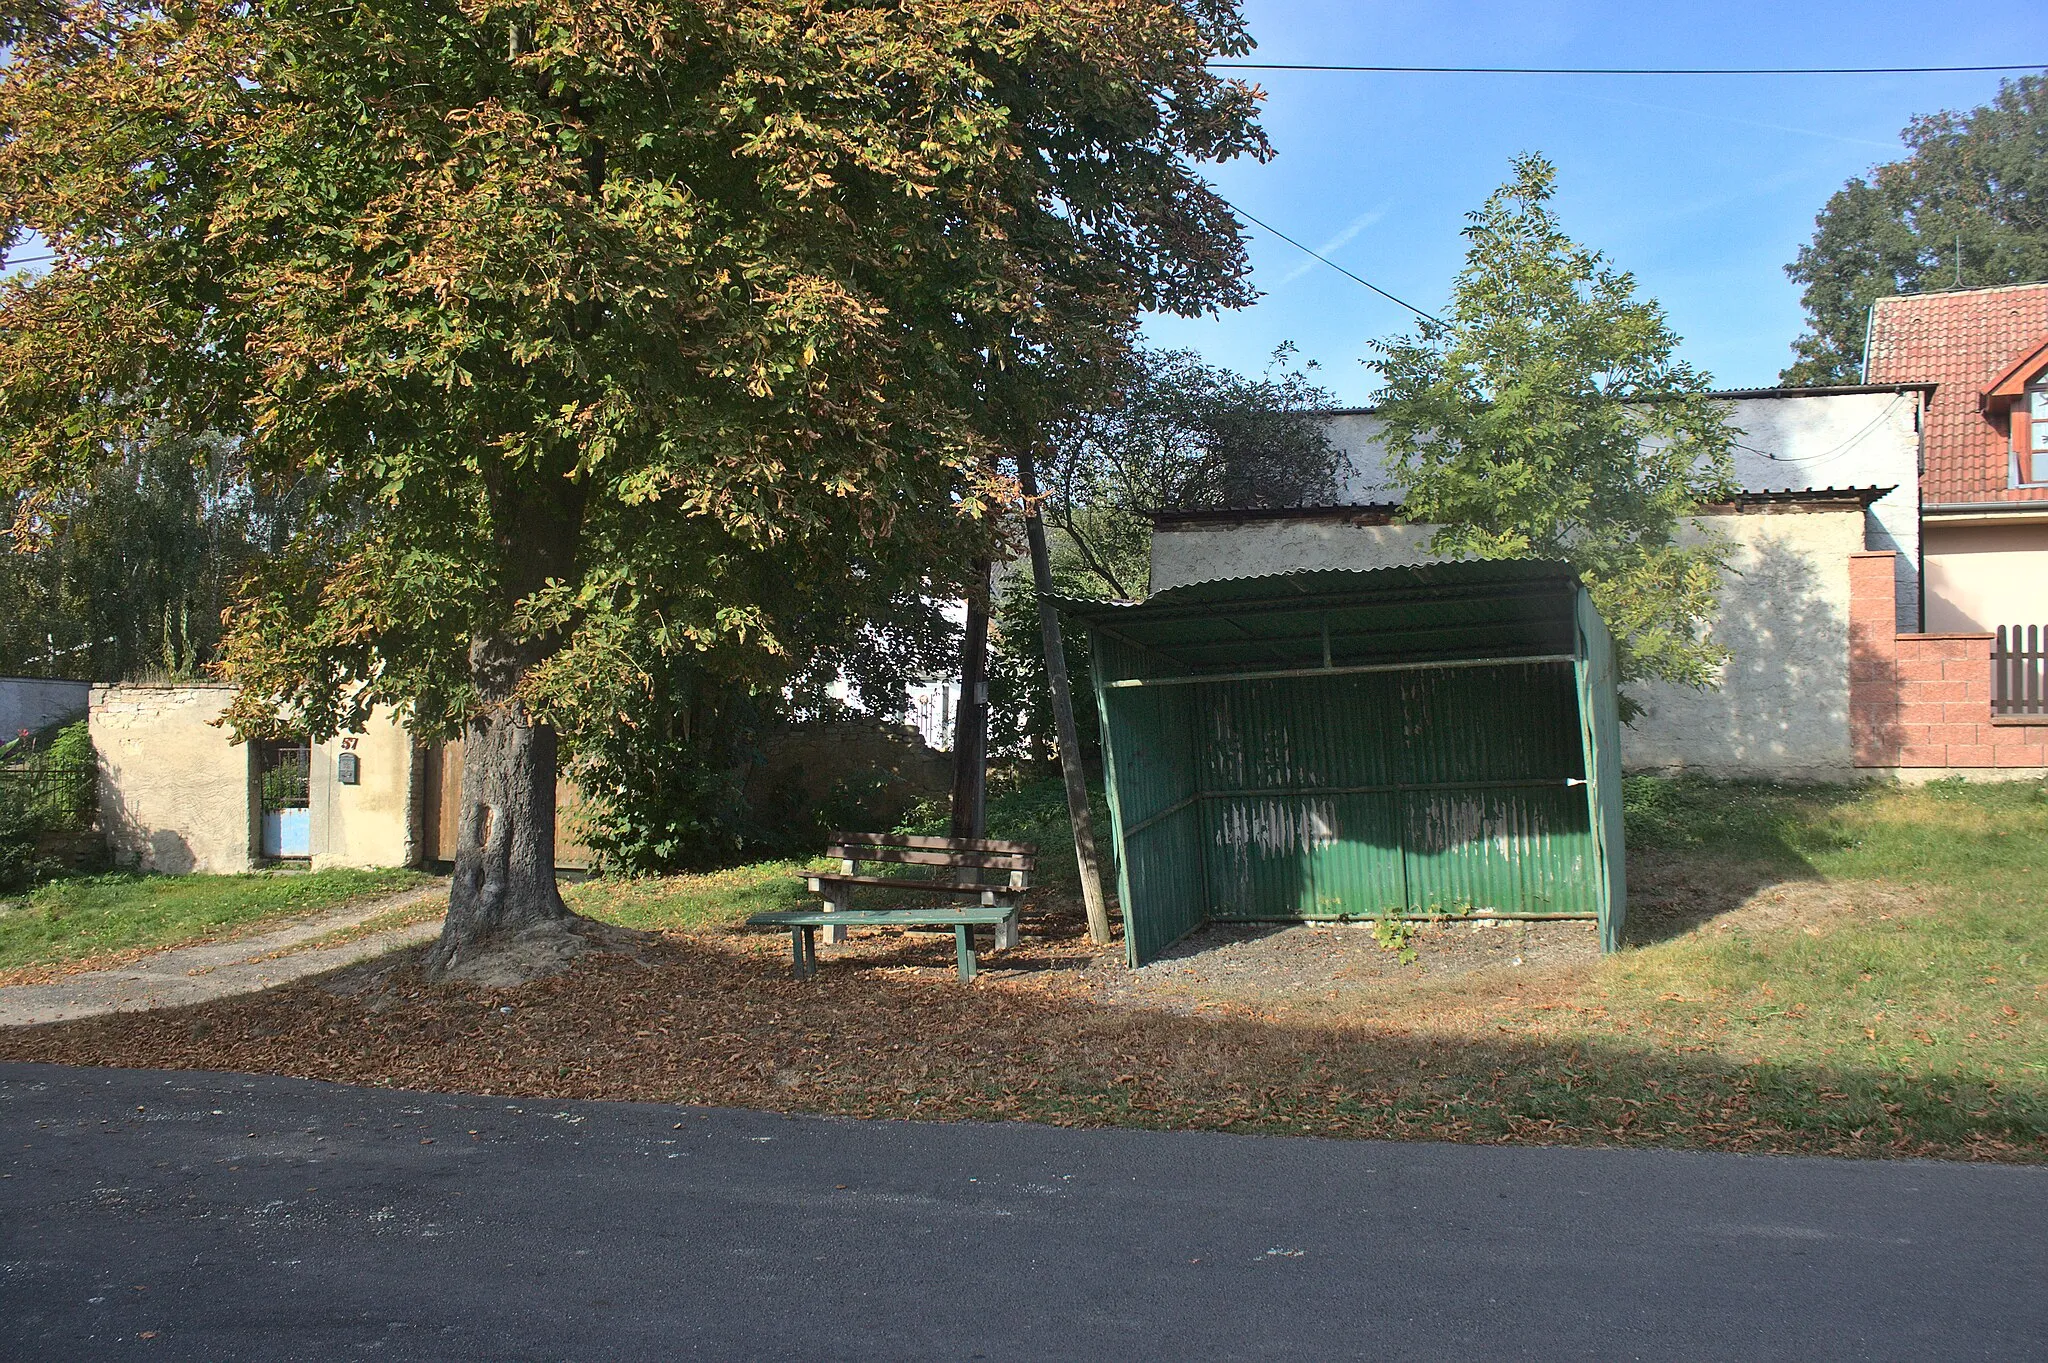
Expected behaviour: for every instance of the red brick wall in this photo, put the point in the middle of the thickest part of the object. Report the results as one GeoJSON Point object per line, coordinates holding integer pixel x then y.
{"type": "Point", "coordinates": [1923, 700]}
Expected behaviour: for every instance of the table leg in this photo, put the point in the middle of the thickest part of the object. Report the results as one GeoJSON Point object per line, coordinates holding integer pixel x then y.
{"type": "Point", "coordinates": [963, 949]}
{"type": "Point", "coordinates": [810, 952]}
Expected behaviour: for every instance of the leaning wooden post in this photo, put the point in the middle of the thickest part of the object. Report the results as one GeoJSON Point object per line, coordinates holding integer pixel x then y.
{"type": "Point", "coordinates": [1063, 705]}
{"type": "Point", "coordinates": [970, 716]}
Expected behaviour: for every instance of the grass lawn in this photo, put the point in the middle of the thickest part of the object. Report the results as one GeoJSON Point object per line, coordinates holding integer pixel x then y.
{"type": "Point", "coordinates": [80, 920]}
{"type": "Point", "coordinates": [1833, 970]}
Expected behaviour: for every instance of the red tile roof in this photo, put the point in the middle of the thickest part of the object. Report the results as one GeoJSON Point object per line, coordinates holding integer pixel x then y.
{"type": "Point", "coordinates": [1961, 341]}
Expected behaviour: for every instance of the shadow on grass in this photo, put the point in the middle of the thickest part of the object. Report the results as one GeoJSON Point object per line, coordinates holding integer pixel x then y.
{"type": "Point", "coordinates": [1700, 848]}
{"type": "Point", "coordinates": [712, 1019]}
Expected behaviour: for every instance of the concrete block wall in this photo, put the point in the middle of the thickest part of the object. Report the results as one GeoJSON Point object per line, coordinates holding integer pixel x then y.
{"type": "Point", "coordinates": [1920, 704]}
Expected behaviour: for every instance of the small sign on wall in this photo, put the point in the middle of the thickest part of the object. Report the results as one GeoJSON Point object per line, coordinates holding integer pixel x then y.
{"type": "Point", "coordinates": [348, 769]}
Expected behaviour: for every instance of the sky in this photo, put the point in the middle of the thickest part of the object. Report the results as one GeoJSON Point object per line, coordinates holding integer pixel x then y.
{"type": "Point", "coordinates": [1703, 188]}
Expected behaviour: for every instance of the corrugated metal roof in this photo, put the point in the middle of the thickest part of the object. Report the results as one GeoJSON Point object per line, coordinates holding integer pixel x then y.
{"type": "Point", "coordinates": [1500, 608]}
{"type": "Point", "coordinates": [1377, 513]}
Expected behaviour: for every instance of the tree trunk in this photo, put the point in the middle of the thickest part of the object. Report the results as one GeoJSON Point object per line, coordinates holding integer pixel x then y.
{"type": "Point", "coordinates": [1078, 812]}
{"type": "Point", "coordinates": [504, 881]}
{"type": "Point", "coordinates": [970, 717]}
{"type": "Point", "coordinates": [504, 884]}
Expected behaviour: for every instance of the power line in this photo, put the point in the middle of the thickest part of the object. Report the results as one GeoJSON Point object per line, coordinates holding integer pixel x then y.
{"type": "Point", "coordinates": [1331, 263]}
{"type": "Point", "coordinates": [1628, 70]}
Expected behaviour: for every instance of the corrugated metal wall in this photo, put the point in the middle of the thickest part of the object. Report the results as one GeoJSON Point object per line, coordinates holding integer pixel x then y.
{"type": "Point", "coordinates": [1411, 792]}
{"type": "Point", "coordinates": [1444, 787]}
{"type": "Point", "coordinates": [1600, 718]}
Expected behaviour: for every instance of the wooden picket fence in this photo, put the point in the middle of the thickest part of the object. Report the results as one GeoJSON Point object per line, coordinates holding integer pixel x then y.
{"type": "Point", "coordinates": [2019, 670]}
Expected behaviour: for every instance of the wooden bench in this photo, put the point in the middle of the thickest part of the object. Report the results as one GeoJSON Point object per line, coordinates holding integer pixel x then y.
{"type": "Point", "coordinates": [970, 861]}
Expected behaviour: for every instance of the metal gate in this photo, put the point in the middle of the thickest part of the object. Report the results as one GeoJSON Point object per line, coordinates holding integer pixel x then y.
{"type": "Point", "coordinates": [285, 782]}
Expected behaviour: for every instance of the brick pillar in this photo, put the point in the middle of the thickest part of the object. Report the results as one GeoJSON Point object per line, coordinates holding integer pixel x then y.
{"type": "Point", "coordinates": [1873, 660]}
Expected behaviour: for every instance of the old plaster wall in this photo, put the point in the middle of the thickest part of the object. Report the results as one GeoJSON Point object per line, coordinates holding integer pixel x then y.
{"type": "Point", "coordinates": [176, 794]}
{"type": "Point", "coordinates": [1781, 711]}
{"type": "Point", "coordinates": [1785, 440]}
{"type": "Point", "coordinates": [32, 702]}
{"type": "Point", "coordinates": [1207, 551]}
{"type": "Point", "coordinates": [375, 822]}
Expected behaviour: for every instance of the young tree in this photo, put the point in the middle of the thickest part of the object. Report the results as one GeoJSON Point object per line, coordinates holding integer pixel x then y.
{"type": "Point", "coordinates": [1545, 417]}
{"type": "Point", "coordinates": [595, 324]}
{"type": "Point", "coordinates": [1968, 206]}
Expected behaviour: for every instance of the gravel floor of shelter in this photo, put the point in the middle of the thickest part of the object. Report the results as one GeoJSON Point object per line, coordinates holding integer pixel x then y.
{"type": "Point", "coordinates": [1268, 965]}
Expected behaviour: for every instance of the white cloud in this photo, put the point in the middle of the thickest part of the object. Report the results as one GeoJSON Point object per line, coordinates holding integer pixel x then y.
{"type": "Point", "coordinates": [1334, 244]}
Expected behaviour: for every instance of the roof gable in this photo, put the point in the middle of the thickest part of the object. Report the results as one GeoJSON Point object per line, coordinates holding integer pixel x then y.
{"type": "Point", "coordinates": [2007, 387]}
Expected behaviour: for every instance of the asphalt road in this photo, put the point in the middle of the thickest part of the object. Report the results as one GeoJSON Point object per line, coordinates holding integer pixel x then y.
{"type": "Point", "coordinates": [193, 1216]}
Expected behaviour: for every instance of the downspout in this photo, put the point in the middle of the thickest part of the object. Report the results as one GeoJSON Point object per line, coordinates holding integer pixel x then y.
{"type": "Point", "coordinates": [1919, 509]}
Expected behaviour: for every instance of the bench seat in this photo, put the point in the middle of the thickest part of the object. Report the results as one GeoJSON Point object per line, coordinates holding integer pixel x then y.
{"type": "Point", "coordinates": [819, 879]}
{"type": "Point", "coordinates": [803, 925]}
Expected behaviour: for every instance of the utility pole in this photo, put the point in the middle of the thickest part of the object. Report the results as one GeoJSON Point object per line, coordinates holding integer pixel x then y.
{"type": "Point", "coordinates": [1062, 703]}
{"type": "Point", "coordinates": [970, 715]}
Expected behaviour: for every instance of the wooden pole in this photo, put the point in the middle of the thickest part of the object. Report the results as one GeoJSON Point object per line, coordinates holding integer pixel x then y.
{"type": "Point", "coordinates": [970, 716]}
{"type": "Point", "coordinates": [1063, 707]}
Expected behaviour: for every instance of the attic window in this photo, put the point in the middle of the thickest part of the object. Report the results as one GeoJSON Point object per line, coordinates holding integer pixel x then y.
{"type": "Point", "coordinates": [2031, 464]}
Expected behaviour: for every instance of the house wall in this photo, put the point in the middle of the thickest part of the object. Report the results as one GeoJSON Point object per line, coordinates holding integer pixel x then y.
{"type": "Point", "coordinates": [1921, 703]}
{"type": "Point", "coordinates": [176, 794]}
{"type": "Point", "coordinates": [32, 702]}
{"type": "Point", "coordinates": [1982, 575]}
{"type": "Point", "coordinates": [1844, 440]}
{"type": "Point", "coordinates": [1782, 711]}
{"type": "Point", "coordinates": [377, 821]}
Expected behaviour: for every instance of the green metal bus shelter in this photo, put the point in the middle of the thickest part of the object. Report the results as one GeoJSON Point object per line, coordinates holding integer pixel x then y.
{"type": "Point", "coordinates": [1420, 740]}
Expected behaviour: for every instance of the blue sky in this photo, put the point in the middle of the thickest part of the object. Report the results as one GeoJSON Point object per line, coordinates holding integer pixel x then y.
{"type": "Point", "coordinates": [1704, 188]}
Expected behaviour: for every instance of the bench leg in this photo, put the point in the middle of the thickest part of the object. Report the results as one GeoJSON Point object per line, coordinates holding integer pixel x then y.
{"type": "Point", "coordinates": [803, 953]}
{"type": "Point", "coordinates": [963, 949]}
{"type": "Point", "coordinates": [1006, 933]}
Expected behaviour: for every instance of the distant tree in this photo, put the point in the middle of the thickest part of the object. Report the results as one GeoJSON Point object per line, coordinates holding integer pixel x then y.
{"type": "Point", "coordinates": [1165, 431]}
{"type": "Point", "coordinates": [593, 325]}
{"type": "Point", "coordinates": [126, 575]}
{"type": "Point", "coordinates": [1545, 417]}
{"type": "Point", "coordinates": [1969, 206]}
{"type": "Point", "coordinates": [1174, 433]}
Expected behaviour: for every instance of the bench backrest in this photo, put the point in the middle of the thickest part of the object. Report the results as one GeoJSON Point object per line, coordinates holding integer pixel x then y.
{"type": "Point", "coordinates": [979, 854]}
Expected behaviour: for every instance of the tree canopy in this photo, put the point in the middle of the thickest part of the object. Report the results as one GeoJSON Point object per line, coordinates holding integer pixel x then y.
{"type": "Point", "coordinates": [1967, 207]}
{"type": "Point", "coordinates": [1545, 416]}
{"type": "Point", "coordinates": [591, 326]}
{"type": "Point", "coordinates": [1171, 432]}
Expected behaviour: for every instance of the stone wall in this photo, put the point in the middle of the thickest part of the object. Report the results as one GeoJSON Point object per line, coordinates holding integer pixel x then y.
{"type": "Point", "coordinates": [33, 702]}
{"type": "Point", "coordinates": [1921, 703]}
{"type": "Point", "coordinates": [176, 794]}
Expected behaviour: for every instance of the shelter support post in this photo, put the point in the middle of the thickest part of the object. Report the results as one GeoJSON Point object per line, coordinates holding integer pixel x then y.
{"type": "Point", "coordinates": [1063, 706]}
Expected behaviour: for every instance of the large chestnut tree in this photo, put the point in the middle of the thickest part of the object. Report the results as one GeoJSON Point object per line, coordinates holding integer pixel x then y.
{"type": "Point", "coordinates": [591, 325]}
